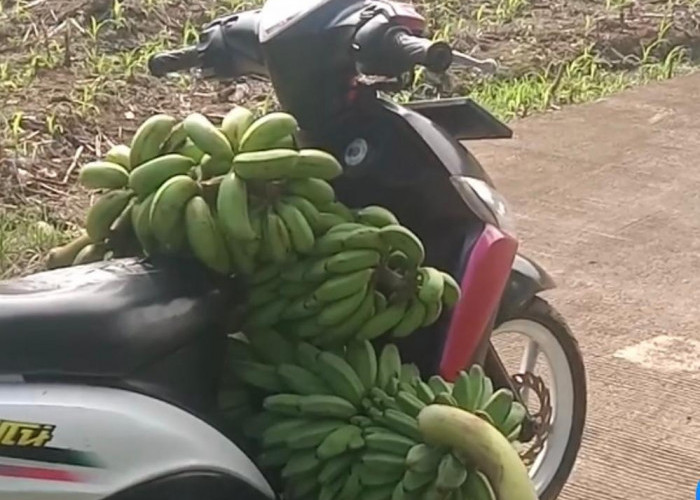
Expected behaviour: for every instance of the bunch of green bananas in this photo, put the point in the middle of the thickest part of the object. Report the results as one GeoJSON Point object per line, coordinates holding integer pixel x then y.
{"type": "Point", "coordinates": [357, 282]}
{"type": "Point", "coordinates": [223, 194]}
{"type": "Point", "coordinates": [343, 423]}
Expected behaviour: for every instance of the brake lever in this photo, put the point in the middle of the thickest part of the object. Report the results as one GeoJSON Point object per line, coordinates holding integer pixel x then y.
{"type": "Point", "coordinates": [487, 66]}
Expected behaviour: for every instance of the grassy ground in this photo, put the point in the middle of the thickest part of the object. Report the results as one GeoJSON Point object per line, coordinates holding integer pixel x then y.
{"type": "Point", "coordinates": [73, 80]}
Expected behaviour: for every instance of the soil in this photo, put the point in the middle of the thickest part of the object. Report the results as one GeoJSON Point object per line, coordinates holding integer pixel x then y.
{"type": "Point", "coordinates": [67, 114]}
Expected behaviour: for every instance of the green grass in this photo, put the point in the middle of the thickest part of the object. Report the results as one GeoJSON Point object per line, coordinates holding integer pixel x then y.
{"type": "Point", "coordinates": [101, 67]}
{"type": "Point", "coordinates": [25, 238]}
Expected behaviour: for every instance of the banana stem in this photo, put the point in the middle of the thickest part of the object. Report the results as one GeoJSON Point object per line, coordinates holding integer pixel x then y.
{"type": "Point", "coordinates": [480, 444]}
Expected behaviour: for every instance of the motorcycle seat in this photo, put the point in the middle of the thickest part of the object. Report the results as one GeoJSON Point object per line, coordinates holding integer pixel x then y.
{"type": "Point", "coordinates": [108, 319]}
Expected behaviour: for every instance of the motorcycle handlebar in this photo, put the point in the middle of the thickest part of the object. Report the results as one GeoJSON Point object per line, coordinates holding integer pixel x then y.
{"type": "Point", "coordinates": [408, 50]}
{"type": "Point", "coordinates": [173, 60]}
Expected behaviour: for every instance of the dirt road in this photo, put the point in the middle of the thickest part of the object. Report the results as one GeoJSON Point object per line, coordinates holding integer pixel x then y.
{"type": "Point", "coordinates": [608, 200]}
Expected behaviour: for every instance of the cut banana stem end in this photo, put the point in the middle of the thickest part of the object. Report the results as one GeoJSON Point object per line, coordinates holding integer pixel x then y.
{"type": "Point", "coordinates": [481, 445]}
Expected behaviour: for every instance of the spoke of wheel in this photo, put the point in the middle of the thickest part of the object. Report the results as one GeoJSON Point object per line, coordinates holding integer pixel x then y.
{"type": "Point", "coordinates": [527, 364]}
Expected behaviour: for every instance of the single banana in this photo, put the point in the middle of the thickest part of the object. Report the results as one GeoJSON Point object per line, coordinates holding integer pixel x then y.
{"type": "Point", "coordinates": [460, 391]}
{"type": "Point", "coordinates": [278, 433]}
{"type": "Point", "coordinates": [382, 322]}
{"type": "Point", "coordinates": [352, 488]}
{"type": "Point", "coordinates": [338, 442]}
{"type": "Point", "coordinates": [374, 479]}
{"type": "Point", "coordinates": [105, 212]}
{"type": "Point", "coordinates": [413, 482]}
{"type": "Point", "coordinates": [339, 334]}
{"type": "Point", "coordinates": [514, 419]}
{"type": "Point", "coordinates": [401, 423]}
{"type": "Point", "coordinates": [266, 315]}
{"type": "Point", "coordinates": [234, 125]}
{"type": "Point", "coordinates": [341, 377]}
{"type": "Point", "coordinates": [412, 320]}
{"type": "Point", "coordinates": [175, 140]}
{"type": "Point", "coordinates": [452, 291]}
{"type": "Point", "coordinates": [266, 165]}
{"type": "Point", "coordinates": [103, 175]}
{"type": "Point", "coordinates": [339, 311]}
{"type": "Point", "coordinates": [433, 311]}
{"type": "Point", "coordinates": [204, 237]}
{"type": "Point", "coordinates": [376, 216]}
{"type": "Point", "coordinates": [339, 209]}
{"type": "Point", "coordinates": [424, 458]}
{"type": "Point", "coordinates": [318, 164]}
{"type": "Point", "coordinates": [148, 138]}
{"type": "Point", "coordinates": [342, 286]}
{"type": "Point", "coordinates": [363, 359]}
{"type": "Point", "coordinates": [389, 365]}
{"type": "Point", "coordinates": [311, 213]}
{"type": "Point", "coordinates": [207, 137]}
{"type": "Point", "coordinates": [149, 176]}
{"type": "Point", "coordinates": [213, 166]}
{"type": "Point", "coordinates": [400, 238]}
{"type": "Point", "coordinates": [286, 404]}
{"type": "Point", "coordinates": [432, 285]}
{"type": "Point", "coordinates": [65, 255]}
{"type": "Point", "coordinates": [259, 375]}
{"type": "Point", "coordinates": [335, 467]}
{"type": "Point", "coordinates": [301, 462]}
{"type": "Point", "coordinates": [276, 237]}
{"type": "Point", "coordinates": [498, 406]}
{"type": "Point", "coordinates": [451, 473]}
{"type": "Point", "coordinates": [389, 442]}
{"type": "Point", "coordinates": [424, 392]}
{"type": "Point", "coordinates": [306, 354]}
{"type": "Point", "coordinates": [119, 154]}
{"type": "Point", "coordinates": [318, 191]}
{"type": "Point", "coordinates": [321, 405]}
{"type": "Point", "coordinates": [366, 238]}
{"type": "Point", "coordinates": [271, 346]}
{"type": "Point", "coordinates": [300, 232]}
{"type": "Point", "coordinates": [384, 461]}
{"type": "Point", "coordinates": [327, 222]}
{"type": "Point", "coordinates": [331, 489]}
{"type": "Point", "coordinates": [190, 150]}
{"type": "Point", "coordinates": [352, 260]}
{"type": "Point", "coordinates": [439, 385]}
{"type": "Point", "coordinates": [232, 208]}
{"type": "Point", "coordinates": [267, 130]}
{"type": "Point", "coordinates": [313, 435]}
{"type": "Point", "coordinates": [141, 221]}
{"type": "Point", "coordinates": [93, 252]}
{"type": "Point", "coordinates": [486, 386]}
{"type": "Point", "coordinates": [409, 403]}
{"type": "Point", "coordinates": [302, 381]}
{"type": "Point", "coordinates": [478, 486]}
{"type": "Point", "coordinates": [168, 210]}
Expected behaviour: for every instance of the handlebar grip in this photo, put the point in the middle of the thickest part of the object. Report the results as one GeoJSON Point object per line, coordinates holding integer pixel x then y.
{"type": "Point", "coordinates": [173, 60]}
{"type": "Point", "coordinates": [409, 50]}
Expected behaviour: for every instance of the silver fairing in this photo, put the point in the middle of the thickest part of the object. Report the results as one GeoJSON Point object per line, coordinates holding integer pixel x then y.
{"type": "Point", "coordinates": [64, 442]}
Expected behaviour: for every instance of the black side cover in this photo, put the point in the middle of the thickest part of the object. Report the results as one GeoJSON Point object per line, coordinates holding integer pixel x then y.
{"type": "Point", "coordinates": [462, 118]}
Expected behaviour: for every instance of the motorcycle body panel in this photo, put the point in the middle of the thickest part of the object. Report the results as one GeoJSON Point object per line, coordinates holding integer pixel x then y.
{"type": "Point", "coordinates": [485, 276]}
{"type": "Point", "coordinates": [79, 442]}
{"type": "Point", "coordinates": [527, 279]}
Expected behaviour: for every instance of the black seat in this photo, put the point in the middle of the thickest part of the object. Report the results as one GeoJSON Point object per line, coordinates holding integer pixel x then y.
{"type": "Point", "coordinates": [110, 319]}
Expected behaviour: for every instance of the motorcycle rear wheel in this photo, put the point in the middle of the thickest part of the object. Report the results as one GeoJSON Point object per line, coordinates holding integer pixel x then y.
{"type": "Point", "coordinates": [547, 333]}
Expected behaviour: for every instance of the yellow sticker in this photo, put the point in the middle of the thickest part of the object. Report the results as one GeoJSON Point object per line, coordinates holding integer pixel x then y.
{"type": "Point", "coordinates": [25, 434]}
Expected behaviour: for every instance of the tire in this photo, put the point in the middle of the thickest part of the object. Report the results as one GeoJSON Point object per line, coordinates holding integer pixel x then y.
{"type": "Point", "coordinates": [540, 312]}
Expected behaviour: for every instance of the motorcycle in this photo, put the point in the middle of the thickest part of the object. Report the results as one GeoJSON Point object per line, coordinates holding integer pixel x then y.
{"type": "Point", "coordinates": [109, 372]}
